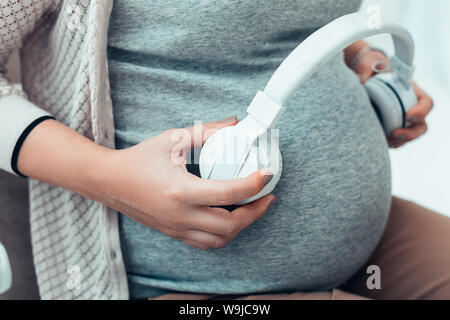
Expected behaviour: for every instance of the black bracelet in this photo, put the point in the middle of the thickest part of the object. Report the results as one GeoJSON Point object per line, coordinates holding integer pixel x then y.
{"type": "Point", "coordinates": [21, 140]}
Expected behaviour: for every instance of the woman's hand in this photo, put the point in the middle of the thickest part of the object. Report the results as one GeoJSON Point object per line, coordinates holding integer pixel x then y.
{"type": "Point", "coordinates": [150, 184]}
{"type": "Point", "coordinates": [416, 125]}
{"type": "Point", "coordinates": [415, 118]}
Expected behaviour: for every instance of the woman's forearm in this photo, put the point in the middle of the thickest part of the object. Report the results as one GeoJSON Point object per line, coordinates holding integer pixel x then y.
{"type": "Point", "coordinates": [56, 154]}
{"type": "Point", "coordinates": [145, 183]}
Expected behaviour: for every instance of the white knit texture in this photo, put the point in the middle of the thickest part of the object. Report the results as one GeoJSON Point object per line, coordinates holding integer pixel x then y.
{"type": "Point", "coordinates": [64, 71]}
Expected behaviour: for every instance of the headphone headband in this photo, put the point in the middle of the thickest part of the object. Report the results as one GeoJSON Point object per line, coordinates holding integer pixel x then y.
{"type": "Point", "coordinates": [323, 45]}
{"type": "Point", "coordinates": [239, 141]}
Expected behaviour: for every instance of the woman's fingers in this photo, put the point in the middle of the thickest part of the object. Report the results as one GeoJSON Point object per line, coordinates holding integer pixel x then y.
{"type": "Point", "coordinates": [404, 135]}
{"type": "Point", "coordinates": [193, 239]}
{"type": "Point", "coordinates": [419, 112]}
{"type": "Point", "coordinates": [209, 128]}
{"type": "Point", "coordinates": [416, 125]}
{"type": "Point", "coordinates": [205, 239]}
{"type": "Point", "coordinates": [365, 67]}
{"type": "Point", "coordinates": [196, 136]}
{"type": "Point", "coordinates": [365, 73]}
{"type": "Point", "coordinates": [195, 244]}
{"type": "Point", "coordinates": [249, 213]}
{"type": "Point", "coordinates": [215, 227]}
{"type": "Point", "coordinates": [228, 224]}
{"type": "Point", "coordinates": [181, 141]}
{"type": "Point", "coordinates": [222, 193]}
{"type": "Point", "coordinates": [218, 221]}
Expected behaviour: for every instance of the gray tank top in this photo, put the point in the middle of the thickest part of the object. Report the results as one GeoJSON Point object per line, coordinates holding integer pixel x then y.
{"type": "Point", "coordinates": [172, 62]}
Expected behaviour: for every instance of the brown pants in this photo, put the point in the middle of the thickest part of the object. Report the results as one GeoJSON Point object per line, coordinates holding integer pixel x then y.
{"type": "Point", "coordinates": [413, 256]}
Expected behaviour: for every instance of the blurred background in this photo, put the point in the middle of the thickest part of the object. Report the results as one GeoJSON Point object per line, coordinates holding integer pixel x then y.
{"type": "Point", "coordinates": [421, 170]}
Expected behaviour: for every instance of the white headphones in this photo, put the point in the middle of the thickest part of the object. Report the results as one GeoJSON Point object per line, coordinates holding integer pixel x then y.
{"type": "Point", "coordinates": [236, 152]}
{"type": "Point", "coordinates": [5, 271]}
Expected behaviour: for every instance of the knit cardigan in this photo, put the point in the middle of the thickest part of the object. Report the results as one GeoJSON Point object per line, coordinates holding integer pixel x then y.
{"type": "Point", "coordinates": [76, 245]}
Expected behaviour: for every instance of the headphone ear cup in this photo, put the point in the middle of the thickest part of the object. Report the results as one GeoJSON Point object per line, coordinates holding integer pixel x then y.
{"type": "Point", "coordinates": [265, 155]}
{"type": "Point", "coordinates": [219, 152]}
{"type": "Point", "coordinates": [224, 157]}
{"type": "Point", "coordinates": [386, 103]}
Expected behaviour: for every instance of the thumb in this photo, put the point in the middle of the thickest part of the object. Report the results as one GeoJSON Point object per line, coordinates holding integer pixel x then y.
{"type": "Point", "coordinates": [363, 78]}
{"type": "Point", "coordinates": [365, 75]}
{"type": "Point", "coordinates": [217, 192]}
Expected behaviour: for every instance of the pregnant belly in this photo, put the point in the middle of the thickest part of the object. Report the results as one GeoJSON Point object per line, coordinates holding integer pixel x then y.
{"type": "Point", "coordinates": [333, 201]}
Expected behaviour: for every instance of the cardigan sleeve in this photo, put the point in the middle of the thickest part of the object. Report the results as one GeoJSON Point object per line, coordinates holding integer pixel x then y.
{"type": "Point", "coordinates": [18, 116]}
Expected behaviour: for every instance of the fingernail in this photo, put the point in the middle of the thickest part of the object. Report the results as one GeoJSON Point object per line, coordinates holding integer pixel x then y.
{"type": "Point", "coordinates": [267, 178]}
{"type": "Point", "coordinates": [272, 202]}
{"type": "Point", "coordinates": [411, 121]}
{"type": "Point", "coordinates": [398, 140]}
{"type": "Point", "coordinates": [229, 119]}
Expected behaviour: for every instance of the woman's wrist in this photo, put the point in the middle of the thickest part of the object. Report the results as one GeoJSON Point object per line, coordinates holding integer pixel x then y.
{"type": "Point", "coordinates": [58, 155]}
{"type": "Point", "coordinates": [95, 172]}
